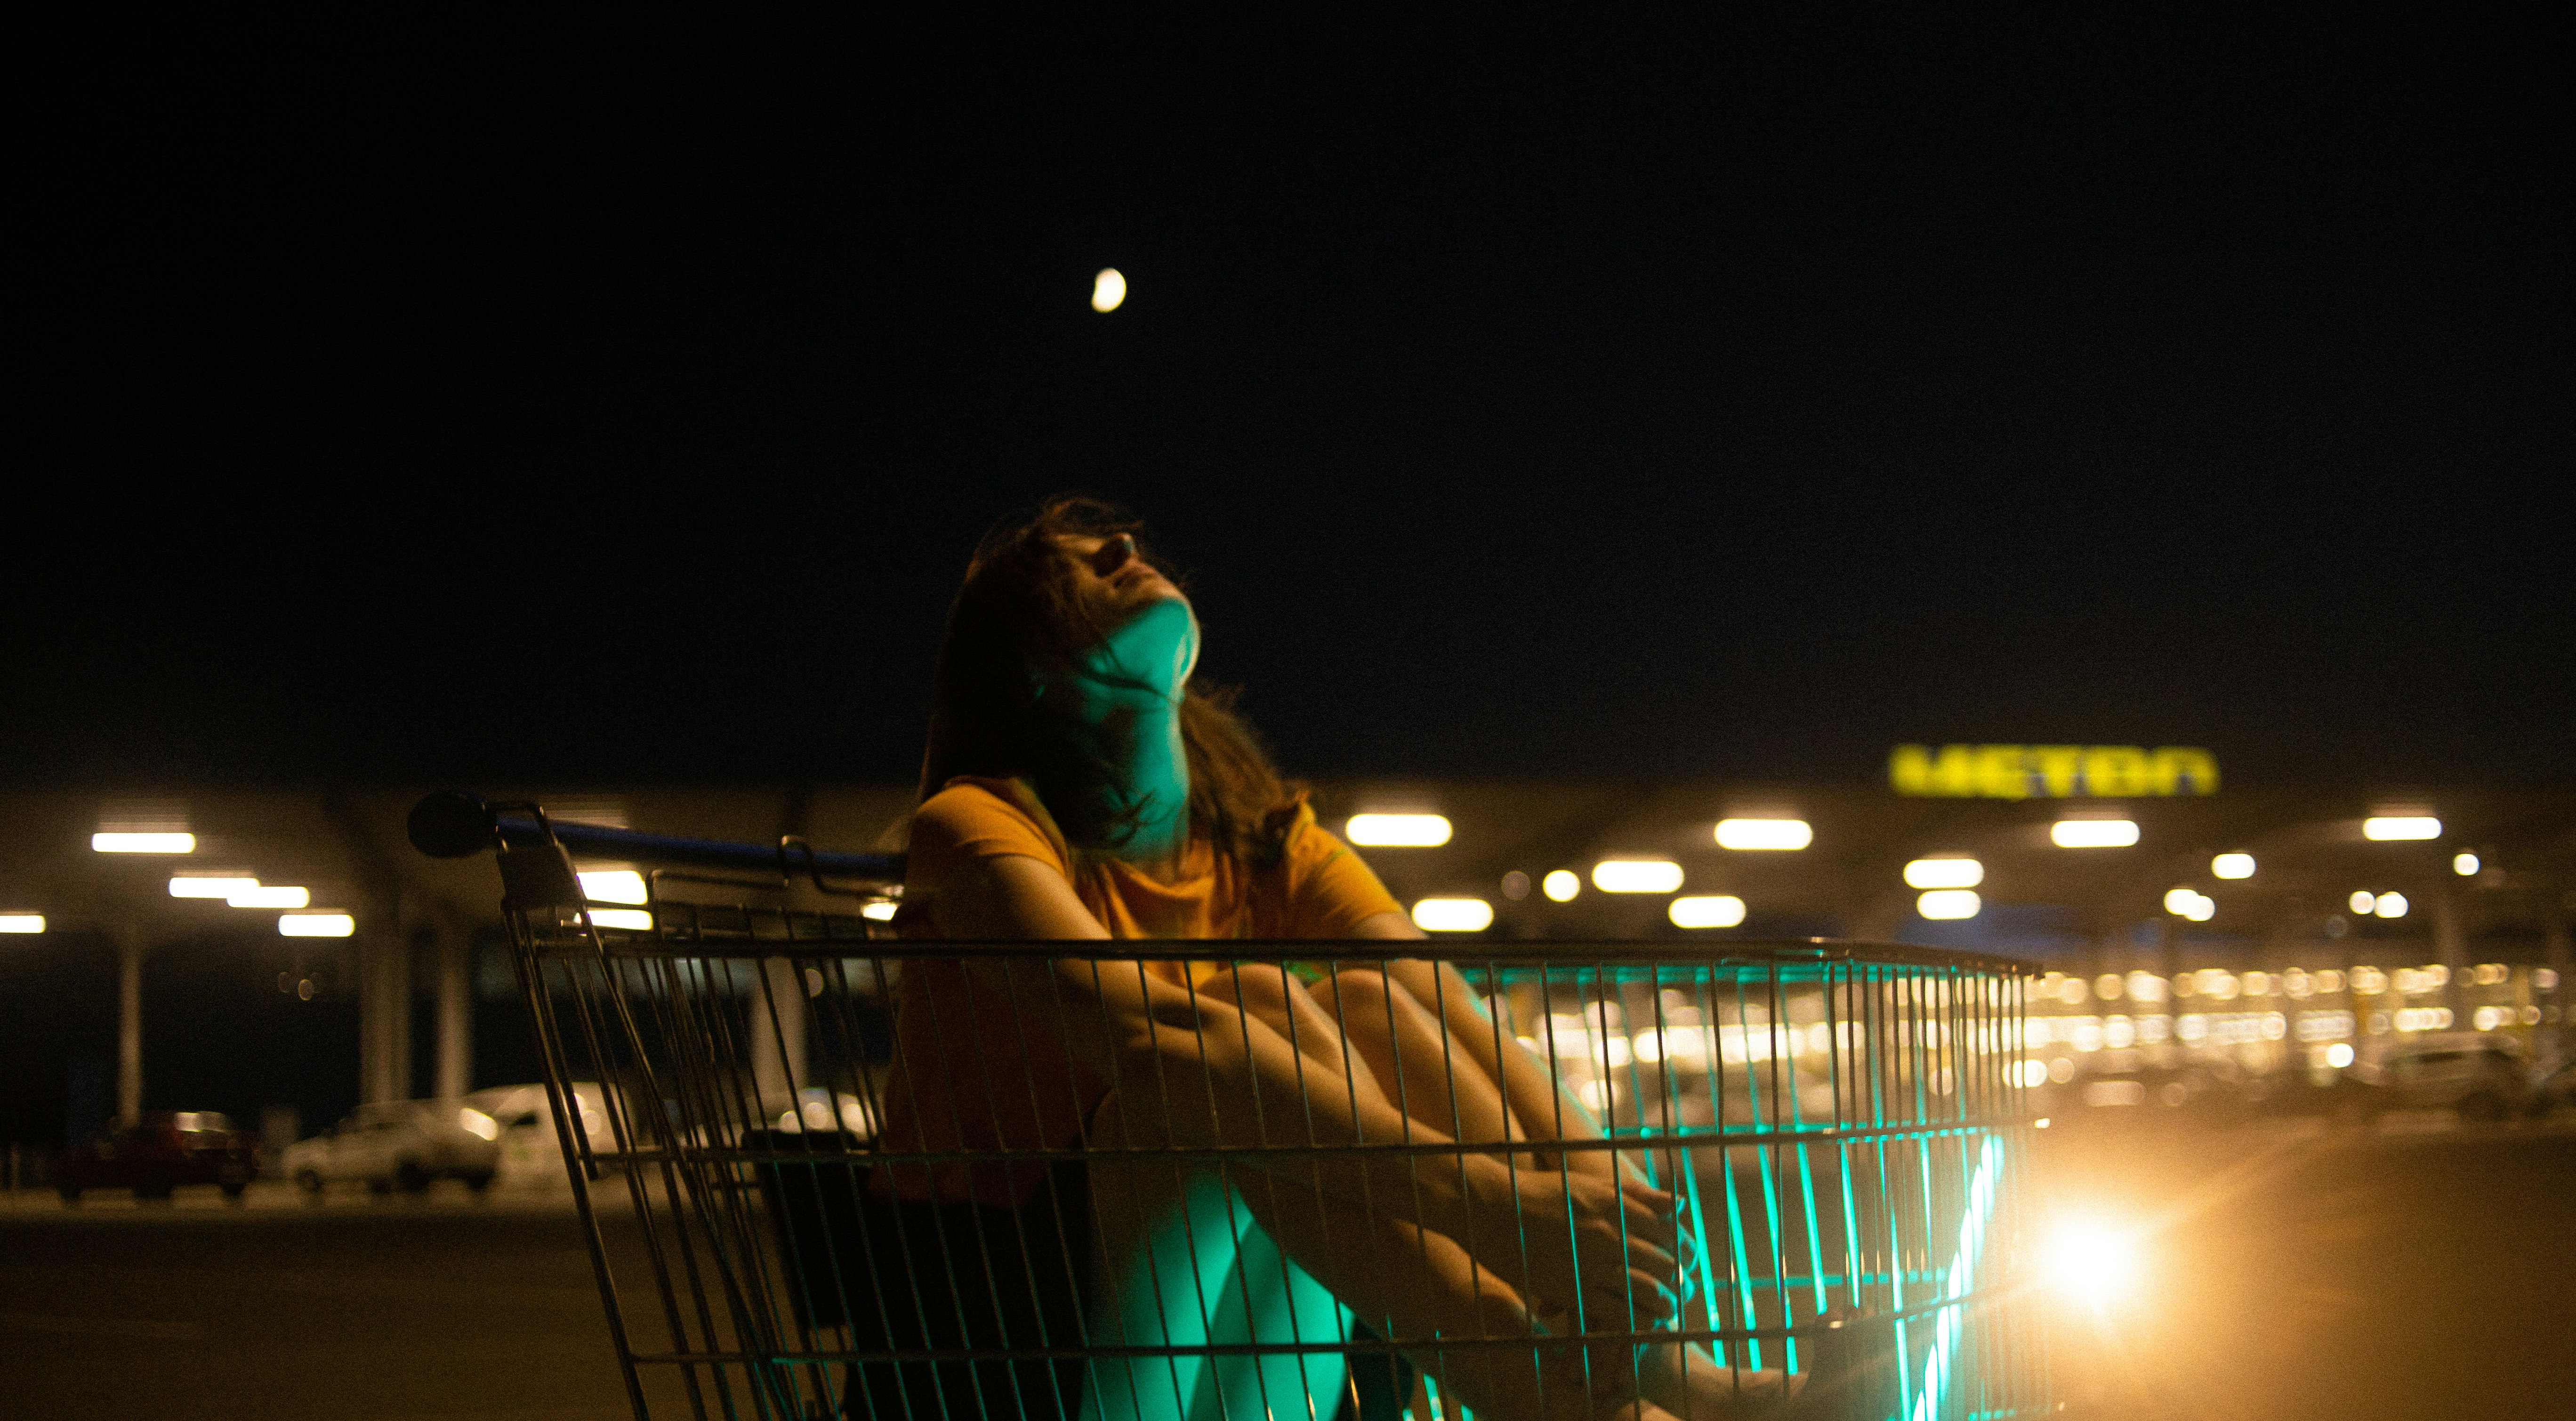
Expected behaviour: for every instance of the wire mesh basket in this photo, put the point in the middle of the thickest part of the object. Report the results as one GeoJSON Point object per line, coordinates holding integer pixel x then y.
{"type": "Point", "coordinates": [1835, 1123]}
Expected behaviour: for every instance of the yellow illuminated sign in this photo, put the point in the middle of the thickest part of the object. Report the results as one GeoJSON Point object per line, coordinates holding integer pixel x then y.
{"type": "Point", "coordinates": [2050, 771]}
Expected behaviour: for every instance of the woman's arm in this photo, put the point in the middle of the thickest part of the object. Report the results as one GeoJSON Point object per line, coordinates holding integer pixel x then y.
{"type": "Point", "coordinates": [1218, 1073]}
{"type": "Point", "coordinates": [1541, 1106]}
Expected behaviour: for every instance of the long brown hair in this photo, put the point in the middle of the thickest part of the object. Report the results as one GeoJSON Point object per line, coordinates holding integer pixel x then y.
{"type": "Point", "coordinates": [1019, 622]}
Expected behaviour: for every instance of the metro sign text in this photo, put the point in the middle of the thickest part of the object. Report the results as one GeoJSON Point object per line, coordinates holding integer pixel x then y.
{"type": "Point", "coordinates": [2050, 771]}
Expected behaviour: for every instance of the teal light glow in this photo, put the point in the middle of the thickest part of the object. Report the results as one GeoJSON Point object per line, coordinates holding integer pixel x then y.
{"type": "Point", "coordinates": [1963, 1271]}
{"type": "Point", "coordinates": [1769, 1159]}
{"type": "Point", "coordinates": [1699, 1245]}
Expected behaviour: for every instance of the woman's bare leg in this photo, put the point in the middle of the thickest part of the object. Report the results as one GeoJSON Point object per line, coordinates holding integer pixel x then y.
{"type": "Point", "coordinates": [1402, 1039]}
{"type": "Point", "coordinates": [1412, 1284]}
{"type": "Point", "coordinates": [1281, 1002]}
{"type": "Point", "coordinates": [1411, 1054]}
{"type": "Point", "coordinates": [1404, 1281]}
{"type": "Point", "coordinates": [1360, 1030]}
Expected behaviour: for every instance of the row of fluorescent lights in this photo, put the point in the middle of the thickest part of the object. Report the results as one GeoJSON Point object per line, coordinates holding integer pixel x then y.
{"type": "Point", "coordinates": [625, 886]}
{"type": "Point", "coordinates": [616, 885]}
{"type": "Point", "coordinates": [1948, 884]}
{"type": "Point", "coordinates": [1430, 831]}
{"type": "Point", "coordinates": [236, 891]}
{"type": "Point", "coordinates": [1470, 915]}
{"type": "Point", "coordinates": [108, 843]}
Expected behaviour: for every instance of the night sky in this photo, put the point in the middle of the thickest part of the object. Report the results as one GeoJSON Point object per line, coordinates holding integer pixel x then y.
{"type": "Point", "coordinates": [440, 405]}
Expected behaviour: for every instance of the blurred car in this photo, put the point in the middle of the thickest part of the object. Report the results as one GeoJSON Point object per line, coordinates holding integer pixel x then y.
{"type": "Point", "coordinates": [2191, 1092]}
{"type": "Point", "coordinates": [530, 1149]}
{"type": "Point", "coordinates": [821, 1109]}
{"type": "Point", "coordinates": [400, 1144]}
{"type": "Point", "coordinates": [2552, 1089]}
{"type": "Point", "coordinates": [164, 1150]}
{"type": "Point", "coordinates": [2482, 1077]}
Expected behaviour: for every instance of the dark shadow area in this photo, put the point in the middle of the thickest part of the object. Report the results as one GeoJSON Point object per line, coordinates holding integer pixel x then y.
{"type": "Point", "coordinates": [57, 1038]}
{"type": "Point", "coordinates": [246, 1022]}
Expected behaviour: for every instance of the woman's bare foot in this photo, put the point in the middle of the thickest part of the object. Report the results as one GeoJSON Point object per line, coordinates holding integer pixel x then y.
{"type": "Point", "coordinates": [1558, 1375]}
{"type": "Point", "coordinates": [1681, 1377]}
{"type": "Point", "coordinates": [1613, 1248]}
{"type": "Point", "coordinates": [1851, 1375]}
{"type": "Point", "coordinates": [1639, 1410]}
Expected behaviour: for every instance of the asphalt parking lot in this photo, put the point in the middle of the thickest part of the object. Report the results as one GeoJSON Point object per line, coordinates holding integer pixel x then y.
{"type": "Point", "coordinates": [2285, 1273]}
{"type": "Point", "coordinates": [2294, 1271]}
{"type": "Point", "coordinates": [370, 1310]}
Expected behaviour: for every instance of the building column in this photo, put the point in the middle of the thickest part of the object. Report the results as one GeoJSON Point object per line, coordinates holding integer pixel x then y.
{"type": "Point", "coordinates": [129, 1025]}
{"type": "Point", "coordinates": [2451, 949]}
{"type": "Point", "coordinates": [2553, 940]}
{"type": "Point", "coordinates": [2554, 952]}
{"type": "Point", "coordinates": [2450, 941]}
{"type": "Point", "coordinates": [455, 951]}
{"type": "Point", "coordinates": [775, 1075]}
{"type": "Point", "coordinates": [384, 1015]}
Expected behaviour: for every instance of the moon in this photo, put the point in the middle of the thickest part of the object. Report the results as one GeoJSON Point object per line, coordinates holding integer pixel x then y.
{"type": "Point", "coordinates": [1108, 289]}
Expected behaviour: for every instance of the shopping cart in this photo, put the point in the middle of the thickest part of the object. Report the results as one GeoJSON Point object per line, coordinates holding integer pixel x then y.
{"type": "Point", "coordinates": [1838, 1121]}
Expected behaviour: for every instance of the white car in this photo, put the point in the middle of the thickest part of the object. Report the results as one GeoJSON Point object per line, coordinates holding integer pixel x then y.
{"type": "Point", "coordinates": [531, 1152]}
{"type": "Point", "coordinates": [2482, 1077]}
{"type": "Point", "coordinates": [820, 1109]}
{"type": "Point", "coordinates": [400, 1144]}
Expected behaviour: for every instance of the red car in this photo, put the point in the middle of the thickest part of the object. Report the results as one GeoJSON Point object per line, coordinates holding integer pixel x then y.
{"type": "Point", "coordinates": [167, 1149]}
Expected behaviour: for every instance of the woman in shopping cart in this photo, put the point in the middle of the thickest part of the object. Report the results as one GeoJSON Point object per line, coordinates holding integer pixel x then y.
{"type": "Point", "coordinates": [1078, 786]}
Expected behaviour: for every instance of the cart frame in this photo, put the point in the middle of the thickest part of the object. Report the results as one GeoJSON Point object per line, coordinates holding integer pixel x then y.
{"type": "Point", "coordinates": [1840, 1121]}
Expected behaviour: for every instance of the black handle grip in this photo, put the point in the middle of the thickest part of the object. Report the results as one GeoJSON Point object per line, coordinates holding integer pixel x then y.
{"type": "Point", "coordinates": [451, 824]}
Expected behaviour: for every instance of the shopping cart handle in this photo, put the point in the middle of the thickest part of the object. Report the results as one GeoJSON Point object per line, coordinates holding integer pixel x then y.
{"type": "Point", "coordinates": [453, 825]}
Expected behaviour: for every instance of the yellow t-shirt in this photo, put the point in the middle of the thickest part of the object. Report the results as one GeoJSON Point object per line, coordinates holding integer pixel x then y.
{"type": "Point", "coordinates": [973, 1071]}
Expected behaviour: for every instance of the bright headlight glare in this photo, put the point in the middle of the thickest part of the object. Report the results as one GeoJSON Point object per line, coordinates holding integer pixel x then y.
{"type": "Point", "coordinates": [2094, 1261]}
